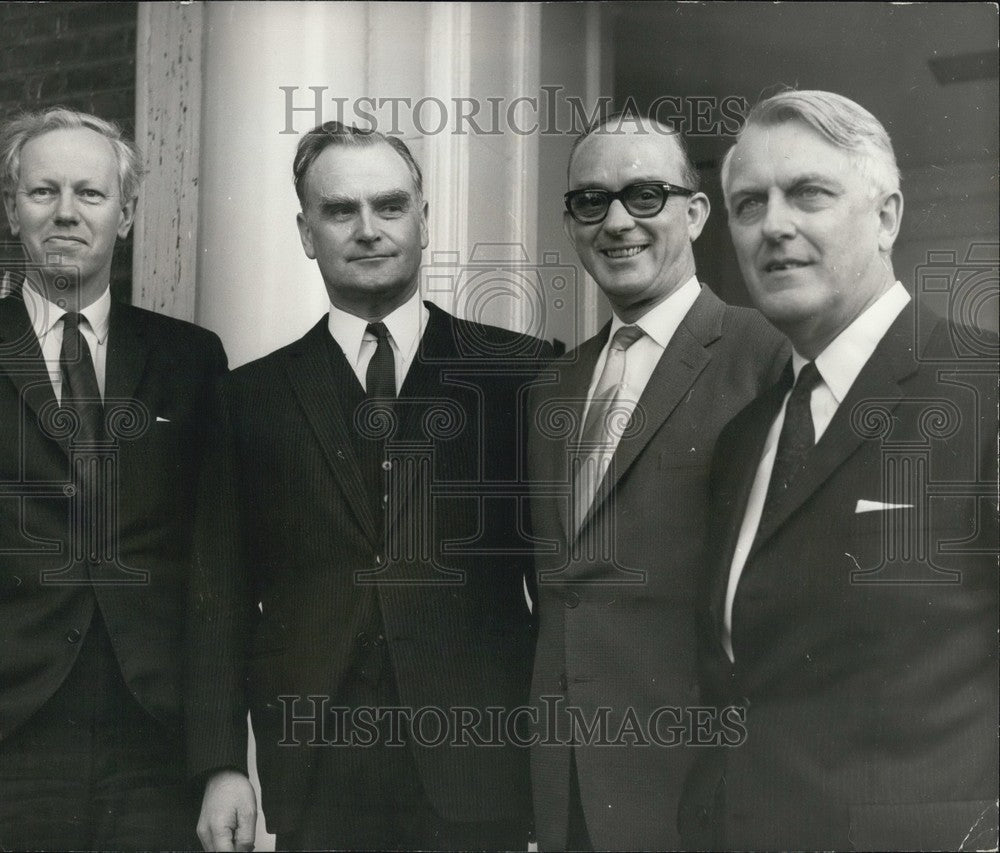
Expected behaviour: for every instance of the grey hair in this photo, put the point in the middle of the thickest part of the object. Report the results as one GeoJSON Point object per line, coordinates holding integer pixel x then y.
{"type": "Point", "coordinates": [28, 125]}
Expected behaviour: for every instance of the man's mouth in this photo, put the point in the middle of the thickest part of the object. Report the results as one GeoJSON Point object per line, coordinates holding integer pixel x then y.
{"type": "Point", "coordinates": [623, 252]}
{"type": "Point", "coordinates": [65, 238]}
{"type": "Point", "coordinates": [787, 264]}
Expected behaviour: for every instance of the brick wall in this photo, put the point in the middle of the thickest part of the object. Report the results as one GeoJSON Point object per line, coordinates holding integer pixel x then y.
{"type": "Point", "coordinates": [79, 55]}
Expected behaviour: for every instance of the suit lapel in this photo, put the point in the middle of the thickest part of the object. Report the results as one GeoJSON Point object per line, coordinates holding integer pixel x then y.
{"type": "Point", "coordinates": [21, 359]}
{"type": "Point", "coordinates": [128, 349]}
{"type": "Point", "coordinates": [316, 381]}
{"type": "Point", "coordinates": [685, 357]}
{"type": "Point", "coordinates": [734, 492]}
{"type": "Point", "coordinates": [879, 379]}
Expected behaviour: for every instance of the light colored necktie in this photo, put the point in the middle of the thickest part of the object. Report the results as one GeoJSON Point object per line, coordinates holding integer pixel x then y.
{"type": "Point", "coordinates": [603, 426]}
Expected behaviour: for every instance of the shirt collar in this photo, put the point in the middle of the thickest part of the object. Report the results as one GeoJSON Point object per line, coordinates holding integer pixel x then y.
{"type": "Point", "coordinates": [661, 321]}
{"type": "Point", "coordinates": [45, 314]}
{"type": "Point", "coordinates": [841, 362]}
{"type": "Point", "coordinates": [404, 325]}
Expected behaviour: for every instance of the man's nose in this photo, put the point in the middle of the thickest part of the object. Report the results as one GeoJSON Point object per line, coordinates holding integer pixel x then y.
{"type": "Point", "coordinates": [66, 207]}
{"type": "Point", "coordinates": [366, 228]}
{"type": "Point", "coordinates": [779, 219]}
{"type": "Point", "coordinates": [618, 218]}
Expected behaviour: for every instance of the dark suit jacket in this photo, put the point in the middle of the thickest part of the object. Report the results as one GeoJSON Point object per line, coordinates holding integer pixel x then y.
{"type": "Point", "coordinates": [865, 643]}
{"type": "Point", "coordinates": [617, 627]}
{"type": "Point", "coordinates": [159, 373]}
{"type": "Point", "coordinates": [292, 559]}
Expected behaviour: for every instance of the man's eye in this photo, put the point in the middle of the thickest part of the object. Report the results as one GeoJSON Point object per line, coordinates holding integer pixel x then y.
{"type": "Point", "coordinates": [41, 194]}
{"type": "Point", "coordinates": [392, 209]}
{"type": "Point", "coordinates": [590, 200]}
{"type": "Point", "coordinates": [340, 214]}
{"type": "Point", "coordinates": [92, 196]}
{"type": "Point", "coordinates": [811, 193]}
{"type": "Point", "coordinates": [748, 207]}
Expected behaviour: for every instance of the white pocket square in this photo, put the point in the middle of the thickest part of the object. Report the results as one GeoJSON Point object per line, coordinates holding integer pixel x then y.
{"type": "Point", "coordinates": [877, 506]}
{"type": "Point", "coordinates": [160, 420]}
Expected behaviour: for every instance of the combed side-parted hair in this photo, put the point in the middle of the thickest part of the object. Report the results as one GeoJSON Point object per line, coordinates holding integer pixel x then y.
{"type": "Point", "coordinates": [330, 133]}
{"type": "Point", "coordinates": [841, 122]}
{"type": "Point", "coordinates": [620, 120]}
{"type": "Point", "coordinates": [23, 128]}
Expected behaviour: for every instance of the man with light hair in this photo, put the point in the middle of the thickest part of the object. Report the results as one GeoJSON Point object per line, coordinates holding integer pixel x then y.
{"type": "Point", "coordinates": [102, 407]}
{"type": "Point", "coordinates": [852, 612]}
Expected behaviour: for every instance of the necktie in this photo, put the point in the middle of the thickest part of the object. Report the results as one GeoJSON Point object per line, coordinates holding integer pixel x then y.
{"type": "Point", "coordinates": [380, 380]}
{"type": "Point", "coordinates": [798, 435]}
{"type": "Point", "coordinates": [380, 384]}
{"type": "Point", "coordinates": [80, 392]}
{"type": "Point", "coordinates": [601, 428]}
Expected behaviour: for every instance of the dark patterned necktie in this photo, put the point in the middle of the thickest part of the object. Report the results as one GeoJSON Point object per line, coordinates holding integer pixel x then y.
{"type": "Point", "coordinates": [798, 435]}
{"type": "Point", "coordinates": [80, 392]}
{"type": "Point", "coordinates": [380, 386]}
{"type": "Point", "coordinates": [380, 380]}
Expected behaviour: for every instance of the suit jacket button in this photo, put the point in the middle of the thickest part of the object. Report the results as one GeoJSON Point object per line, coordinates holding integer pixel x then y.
{"type": "Point", "coordinates": [704, 817]}
{"type": "Point", "coordinates": [572, 599]}
{"type": "Point", "coordinates": [73, 636]}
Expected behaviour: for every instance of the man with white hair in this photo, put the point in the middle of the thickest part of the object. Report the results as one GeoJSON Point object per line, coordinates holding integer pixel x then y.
{"type": "Point", "coordinates": [102, 408]}
{"type": "Point", "coordinates": [852, 619]}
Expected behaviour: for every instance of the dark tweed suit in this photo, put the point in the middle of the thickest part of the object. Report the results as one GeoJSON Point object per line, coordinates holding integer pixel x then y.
{"type": "Point", "coordinates": [296, 563]}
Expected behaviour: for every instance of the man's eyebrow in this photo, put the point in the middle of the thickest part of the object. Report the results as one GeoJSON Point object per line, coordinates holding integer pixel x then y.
{"type": "Point", "coordinates": [337, 201]}
{"type": "Point", "coordinates": [388, 197]}
{"type": "Point", "coordinates": [391, 197]}
{"type": "Point", "coordinates": [813, 178]}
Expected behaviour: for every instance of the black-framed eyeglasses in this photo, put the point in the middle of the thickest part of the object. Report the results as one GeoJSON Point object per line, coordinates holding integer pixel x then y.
{"type": "Point", "coordinates": [642, 200]}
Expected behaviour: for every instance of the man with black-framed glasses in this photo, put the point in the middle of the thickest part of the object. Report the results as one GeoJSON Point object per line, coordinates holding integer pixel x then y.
{"type": "Point", "coordinates": [620, 501]}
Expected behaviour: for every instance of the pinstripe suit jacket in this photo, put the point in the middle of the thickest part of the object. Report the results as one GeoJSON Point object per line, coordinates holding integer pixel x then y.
{"type": "Point", "coordinates": [291, 558]}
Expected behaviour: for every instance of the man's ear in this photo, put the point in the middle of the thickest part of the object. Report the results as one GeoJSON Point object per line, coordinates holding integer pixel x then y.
{"type": "Point", "coordinates": [305, 235]}
{"type": "Point", "coordinates": [698, 209]}
{"type": "Point", "coordinates": [10, 205]}
{"type": "Point", "coordinates": [127, 218]}
{"type": "Point", "coordinates": [424, 234]}
{"type": "Point", "coordinates": [890, 216]}
{"type": "Point", "coordinates": [568, 227]}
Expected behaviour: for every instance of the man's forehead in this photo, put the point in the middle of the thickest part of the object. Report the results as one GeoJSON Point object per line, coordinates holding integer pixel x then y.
{"type": "Point", "coordinates": [790, 144]}
{"type": "Point", "coordinates": [646, 152]}
{"type": "Point", "coordinates": [77, 149]}
{"type": "Point", "coordinates": [359, 171]}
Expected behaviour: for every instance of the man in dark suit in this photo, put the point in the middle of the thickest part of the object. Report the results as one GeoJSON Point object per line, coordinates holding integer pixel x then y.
{"type": "Point", "coordinates": [361, 569]}
{"type": "Point", "coordinates": [102, 407]}
{"type": "Point", "coordinates": [853, 609]}
{"type": "Point", "coordinates": [620, 514]}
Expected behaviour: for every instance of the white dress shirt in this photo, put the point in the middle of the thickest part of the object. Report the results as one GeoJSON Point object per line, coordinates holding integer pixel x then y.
{"type": "Point", "coordinates": [406, 325]}
{"type": "Point", "coordinates": [838, 365]}
{"type": "Point", "coordinates": [46, 320]}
